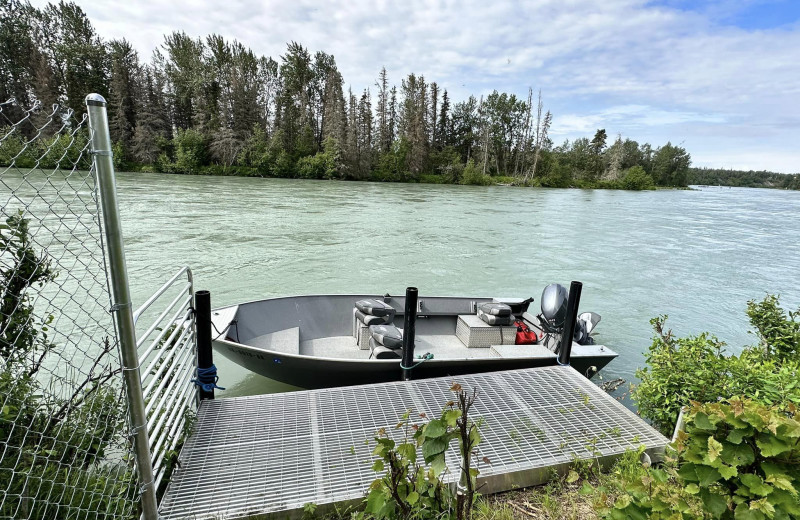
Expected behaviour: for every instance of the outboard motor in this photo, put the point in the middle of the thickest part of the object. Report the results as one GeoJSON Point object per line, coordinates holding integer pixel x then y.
{"type": "Point", "coordinates": [554, 306]}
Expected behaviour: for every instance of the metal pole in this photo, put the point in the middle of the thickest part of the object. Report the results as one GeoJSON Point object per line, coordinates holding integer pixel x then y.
{"type": "Point", "coordinates": [205, 356]}
{"type": "Point", "coordinates": [121, 299]}
{"type": "Point", "coordinates": [574, 300]}
{"type": "Point", "coordinates": [409, 330]}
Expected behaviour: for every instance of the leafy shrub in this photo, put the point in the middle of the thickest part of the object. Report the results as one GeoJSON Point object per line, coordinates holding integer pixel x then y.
{"type": "Point", "coordinates": [778, 331]}
{"type": "Point", "coordinates": [191, 151]}
{"type": "Point", "coordinates": [743, 459]}
{"type": "Point", "coordinates": [452, 173]}
{"type": "Point", "coordinates": [558, 176]}
{"type": "Point", "coordinates": [63, 151]}
{"type": "Point", "coordinates": [737, 460]}
{"type": "Point", "coordinates": [392, 164]}
{"type": "Point", "coordinates": [312, 166]}
{"type": "Point", "coordinates": [505, 179]}
{"type": "Point", "coordinates": [256, 152]}
{"type": "Point", "coordinates": [284, 165]}
{"type": "Point", "coordinates": [697, 368]}
{"type": "Point", "coordinates": [636, 178]}
{"type": "Point", "coordinates": [429, 178]}
{"type": "Point", "coordinates": [324, 165]}
{"type": "Point", "coordinates": [408, 489]}
{"type": "Point", "coordinates": [474, 176]}
{"type": "Point", "coordinates": [13, 149]}
{"type": "Point", "coordinates": [639, 492]}
{"type": "Point", "coordinates": [52, 463]}
{"type": "Point", "coordinates": [118, 155]}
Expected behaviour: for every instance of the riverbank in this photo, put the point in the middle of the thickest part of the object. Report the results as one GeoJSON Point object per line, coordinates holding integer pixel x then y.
{"type": "Point", "coordinates": [637, 180]}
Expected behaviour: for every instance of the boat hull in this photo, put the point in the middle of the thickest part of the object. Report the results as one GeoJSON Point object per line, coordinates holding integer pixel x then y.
{"type": "Point", "coordinates": [310, 373]}
{"type": "Point", "coordinates": [308, 341]}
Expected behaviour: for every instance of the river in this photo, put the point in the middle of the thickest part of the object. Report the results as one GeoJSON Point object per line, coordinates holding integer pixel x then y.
{"type": "Point", "coordinates": [697, 255]}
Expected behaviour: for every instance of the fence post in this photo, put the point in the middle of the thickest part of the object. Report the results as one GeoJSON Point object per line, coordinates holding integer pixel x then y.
{"type": "Point", "coordinates": [121, 299]}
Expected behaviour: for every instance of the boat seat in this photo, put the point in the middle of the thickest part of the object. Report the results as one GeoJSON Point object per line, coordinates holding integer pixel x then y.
{"type": "Point", "coordinates": [495, 319]}
{"type": "Point", "coordinates": [375, 308]}
{"type": "Point", "coordinates": [387, 336]}
{"type": "Point", "coordinates": [368, 319]}
{"type": "Point", "coordinates": [495, 309]}
{"type": "Point", "coordinates": [361, 324]}
{"type": "Point", "coordinates": [381, 352]}
{"type": "Point", "coordinates": [286, 341]}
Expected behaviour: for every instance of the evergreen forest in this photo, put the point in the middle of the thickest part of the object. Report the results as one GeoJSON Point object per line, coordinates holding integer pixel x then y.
{"type": "Point", "coordinates": [212, 106]}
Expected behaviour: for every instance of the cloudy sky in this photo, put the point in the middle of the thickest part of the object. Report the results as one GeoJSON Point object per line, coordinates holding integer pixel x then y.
{"type": "Point", "coordinates": [719, 77]}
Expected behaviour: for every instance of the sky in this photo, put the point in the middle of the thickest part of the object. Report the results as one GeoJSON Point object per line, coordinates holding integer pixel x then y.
{"type": "Point", "coordinates": [719, 77]}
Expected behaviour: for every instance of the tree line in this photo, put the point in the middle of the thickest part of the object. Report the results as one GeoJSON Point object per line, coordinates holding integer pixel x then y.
{"type": "Point", "coordinates": [212, 106]}
{"type": "Point", "coordinates": [748, 179]}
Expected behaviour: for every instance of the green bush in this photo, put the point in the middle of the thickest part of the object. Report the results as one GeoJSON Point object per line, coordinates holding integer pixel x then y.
{"type": "Point", "coordinates": [736, 460]}
{"type": "Point", "coordinates": [64, 151]}
{"type": "Point", "coordinates": [636, 178]}
{"type": "Point", "coordinates": [324, 165]}
{"type": "Point", "coordinates": [558, 176]}
{"type": "Point", "coordinates": [392, 164]}
{"type": "Point", "coordinates": [118, 155]}
{"type": "Point", "coordinates": [52, 465]}
{"type": "Point", "coordinates": [504, 179]}
{"type": "Point", "coordinates": [408, 489]}
{"type": "Point", "coordinates": [312, 166]}
{"type": "Point", "coordinates": [474, 176]}
{"type": "Point", "coordinates": [778, 331]}
{"type": "Point", "coordinates": [697, 368]}
{"type": "Point", "coordinates": [13, 150]}
{"type": "Point", "coordinates": [453, 173]}
{"type": "Point", "coordinates": [743, 459]}
{"type": "Point", "coordinates": [284, 165]}
{"type": "Point", "coordinates": [191, 151]}
{"type": "Point", "coordinates": [429, 178]}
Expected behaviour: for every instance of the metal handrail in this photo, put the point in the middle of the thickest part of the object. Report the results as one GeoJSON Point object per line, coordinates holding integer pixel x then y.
{"type": "Point", "coordinates": [146, 305]}
{"type": "Point", "coordinates": [167, 352]}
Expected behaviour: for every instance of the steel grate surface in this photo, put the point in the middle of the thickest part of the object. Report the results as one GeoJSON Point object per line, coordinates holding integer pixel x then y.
{"type": "Point", "coordinates": [274, 453]}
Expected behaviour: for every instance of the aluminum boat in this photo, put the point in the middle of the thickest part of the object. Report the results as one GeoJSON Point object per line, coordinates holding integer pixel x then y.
{"type": "Point", "coordinates": [319, 341]}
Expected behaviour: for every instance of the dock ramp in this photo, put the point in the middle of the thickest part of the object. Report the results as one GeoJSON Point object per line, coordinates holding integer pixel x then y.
{"type": "Point", "coordinates": [269, 455]}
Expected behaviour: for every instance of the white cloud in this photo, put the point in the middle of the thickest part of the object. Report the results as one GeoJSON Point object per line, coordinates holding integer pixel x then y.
{"type": "Point", "coordinates": [648, 72]}
{"type": "Point", "coordinates": [625, 119]}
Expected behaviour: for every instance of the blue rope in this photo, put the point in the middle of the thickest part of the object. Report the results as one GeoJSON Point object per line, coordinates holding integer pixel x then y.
{"type": "Point", "coordinates": [423, 359]}
{"type": "Point", "coordinates": [207, 379]}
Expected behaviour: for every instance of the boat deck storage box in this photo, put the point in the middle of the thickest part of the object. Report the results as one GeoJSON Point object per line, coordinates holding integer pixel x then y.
{"type": "Point", "coordinates": [474, 332]}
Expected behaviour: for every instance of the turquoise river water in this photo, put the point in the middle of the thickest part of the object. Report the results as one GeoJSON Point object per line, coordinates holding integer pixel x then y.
{"type": "Point", "coordinates": [697, 255]}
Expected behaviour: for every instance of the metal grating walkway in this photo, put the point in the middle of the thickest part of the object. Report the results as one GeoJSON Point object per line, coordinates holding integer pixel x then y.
{"type": "Point", "coordinates": [274, 453]}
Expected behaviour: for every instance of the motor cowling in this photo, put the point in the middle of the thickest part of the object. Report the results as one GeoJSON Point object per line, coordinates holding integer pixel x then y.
{"type": "Point", "coordinates": [554, 304]}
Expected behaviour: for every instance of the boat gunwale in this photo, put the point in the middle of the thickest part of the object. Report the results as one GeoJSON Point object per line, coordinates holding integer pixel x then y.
{"type": "Point", "coordinates": [251, 348]}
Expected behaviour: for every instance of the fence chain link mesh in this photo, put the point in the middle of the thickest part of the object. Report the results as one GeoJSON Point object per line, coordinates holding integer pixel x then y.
{"type": "Point", "coordinates": [65, 450]}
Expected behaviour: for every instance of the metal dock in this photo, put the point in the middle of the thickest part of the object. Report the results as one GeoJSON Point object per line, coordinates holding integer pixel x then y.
{"type": "Point", "coordinates": [272, 454]}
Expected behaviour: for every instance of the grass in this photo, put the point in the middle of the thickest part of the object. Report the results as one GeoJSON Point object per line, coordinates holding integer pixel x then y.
{"type": "Point", "coordinates": [556, 500]}
{"type": "Point", "coordinates": [579, 495]}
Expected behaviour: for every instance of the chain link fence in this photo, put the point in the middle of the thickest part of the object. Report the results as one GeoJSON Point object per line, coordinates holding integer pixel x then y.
{"type": "Point", "coordinates": [65, 448]}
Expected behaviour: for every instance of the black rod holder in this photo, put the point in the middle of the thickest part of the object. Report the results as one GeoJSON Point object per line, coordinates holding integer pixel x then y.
{"type": "Point", "coordinates": [205, 357]}
{"type": "Point", "coordinates": [409, 331]}
{"type": "Point", "coordinates": [565, 350]}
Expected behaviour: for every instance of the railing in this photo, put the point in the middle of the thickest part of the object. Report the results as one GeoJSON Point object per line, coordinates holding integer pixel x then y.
{"type": "Point", "coordinates": [167, 361]}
